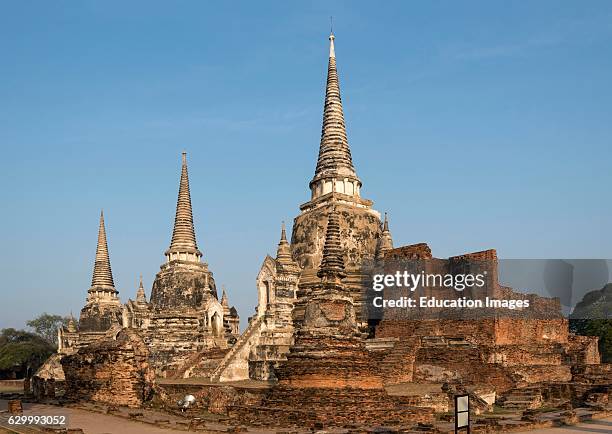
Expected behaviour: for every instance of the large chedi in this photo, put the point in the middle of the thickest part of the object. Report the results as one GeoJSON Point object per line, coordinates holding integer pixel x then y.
{"type": "Point", "coordinates": [184, 280]}
{"type": "Point", "coordinates": [330, 377]}
{"type": "Point", "coordinates": [102, 316]}
{"type": "Point", "coordinates": [103, 308]}
{"type": "Point", "coordinates": [285, 284]}
{"type": "Point", "coordinates": [186, 315]}
{"type": "Point", "coordinates": [335, 184]}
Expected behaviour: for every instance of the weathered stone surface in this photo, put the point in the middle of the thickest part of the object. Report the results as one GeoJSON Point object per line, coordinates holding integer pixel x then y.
{"type": "Point", "coordinates": [583, 350]}
{"type": "Point", "coordinates": [330, 407]}
{"type": "Point", "coordinates": [182, 285]}
{"type": "Point", "coordinates": [265, 343]}
{"type": "Point", "coordinates": [111, 371]}
{"type": "Point", "coordinates": [99, 317]}
{"type": "Point", "coordinates": [201, 364]}
{"type": "Point", "coordinates": [49, 381]}
{"type": "Point", "coordinates": [360, 229]}
{"type": "Point", "coordinates": [15, 407]}
{"type": "Point", "coordinates": [214, 398]}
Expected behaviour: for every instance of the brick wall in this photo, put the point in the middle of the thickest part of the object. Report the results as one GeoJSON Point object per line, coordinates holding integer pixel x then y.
{"type": "Point", "coordinates": [112, 371]}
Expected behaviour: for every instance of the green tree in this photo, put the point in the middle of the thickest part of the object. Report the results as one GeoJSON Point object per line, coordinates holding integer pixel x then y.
{"type": "Point", "coordinates": [21, 351]}
{"type": "Point", "coordinates": [602, 328]}
{"type": "Point", "coordinates": [593, 317]}
{"type": "Point", "coordinates": [46, 325]}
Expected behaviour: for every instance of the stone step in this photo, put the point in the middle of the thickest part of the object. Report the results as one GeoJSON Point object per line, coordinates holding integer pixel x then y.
{"type": "Point", "coordinates": [518, 404]}
{"type": "Point", "coordinates": [522, 393]}
{"type": "Point", "coordinates": [527, 398]}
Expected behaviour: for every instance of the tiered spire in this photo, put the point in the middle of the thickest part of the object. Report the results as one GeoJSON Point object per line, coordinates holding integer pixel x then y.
{"type": "Point", "coordinates": [183, 234]}
{"type": "Point", "coordinates": [332, 264]}
{"type": "Point", "coordinates": [140, 293]}
{"type": "Point", "coordinates": [71, 326]}
{"type": "Point", "coordinates": [334, 162]}
{"type": "Point", "coordinates": [385, 243]}
{"type": "Point", "coordinates": [283, 253]}
{"type": "Point", "coordinates": [102, 279]}
{"type": "Point", "coordinates": [224, 301]}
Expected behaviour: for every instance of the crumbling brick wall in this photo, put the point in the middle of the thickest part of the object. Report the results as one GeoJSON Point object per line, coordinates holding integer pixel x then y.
{"type": "Point", "coordinates": [413, 251]}
{"type": "Point", "coordinates": [212, 398]}
{"type": "Point", "coordinates": [583, 350]}
{"type": "Point", "coordinates": [111, 371]}
{"type": "Point", "coordinates": [518, 331]}
{"type": "Point", "coordinates": [461, 365]}
{"type": "Point", "coordinates": [476, 331]}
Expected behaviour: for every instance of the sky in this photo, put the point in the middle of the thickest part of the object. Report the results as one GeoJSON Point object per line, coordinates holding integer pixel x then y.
{"type": "Point", "coordinates": [475, 124]}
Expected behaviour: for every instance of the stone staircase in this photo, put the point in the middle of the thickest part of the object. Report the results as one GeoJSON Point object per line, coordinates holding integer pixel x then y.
{"type": "Point", "coordinates": [254, 327]}
{"type": "Point", "coordinates": [201, 364]}
{"type": "Point", "coordinates": [521, 399]}
{"type": "Point", "coordinates": [398, 365]}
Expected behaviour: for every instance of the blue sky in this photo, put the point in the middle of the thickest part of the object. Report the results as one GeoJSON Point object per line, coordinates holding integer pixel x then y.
{"type": "Point", "coordinates": [475, 124]}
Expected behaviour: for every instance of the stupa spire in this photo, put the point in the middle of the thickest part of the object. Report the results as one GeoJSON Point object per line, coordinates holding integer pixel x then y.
{"type": "Point", "coordinates": [102, 279]}
{"type": "Point", "coordinates": [283, 232]}
{"type": "Point", "coordinates": [385, 242]}
{"type": "Point", "coordinates": [283, 253]}
{"type": "Point", "coordinates": [334, 169]}
{"type": "Point", "coordinates": [332, 264]}
{"type": "Point", "coordinates": [140, 293]}
{"type": "Point", "coordinates": [224, 301]}
{"type": "Point", "coordinates": [71, 326]}
{"type": "Point", "coordinates": [183, 245]}
{"type": "Point", "coordinates": [332, 51]}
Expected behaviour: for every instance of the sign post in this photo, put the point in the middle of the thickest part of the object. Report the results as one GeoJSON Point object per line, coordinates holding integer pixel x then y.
{"type": "Point", "coordinates": [462, 413]}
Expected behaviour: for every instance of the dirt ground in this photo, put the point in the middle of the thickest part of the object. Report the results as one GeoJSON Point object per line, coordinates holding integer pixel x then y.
{"type": "Point", "coordinates": [603, 426]}
{"type": "Point", "coordinates": [89, 422]}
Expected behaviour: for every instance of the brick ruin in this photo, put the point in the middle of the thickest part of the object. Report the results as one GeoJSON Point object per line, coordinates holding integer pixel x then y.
{"type": "Point", "coordinates": [313, 347]}
{"type": "Point", "coordinates": [499, 351]}
{"type": "Point", "coordinates": [114, 370]}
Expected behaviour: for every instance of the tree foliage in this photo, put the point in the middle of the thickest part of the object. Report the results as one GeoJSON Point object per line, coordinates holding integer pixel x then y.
{"type": "Point", "coordinates": [602, 328]}
{"type": "Point", "coordinates": [593, 317]}
{"type": "Point", "coordinates": [46, 325]}
{"type": "Point", "coordinates": [21, 349]}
